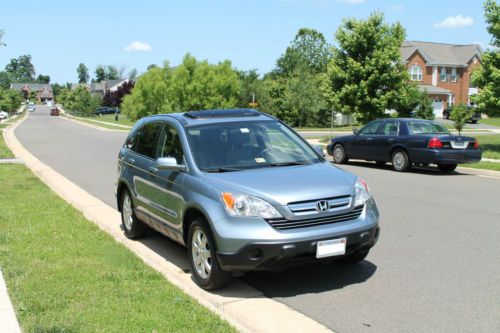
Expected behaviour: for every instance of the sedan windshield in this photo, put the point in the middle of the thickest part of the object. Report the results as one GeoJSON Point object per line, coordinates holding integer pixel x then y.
{"type": "Point", "coordinates": [225, 147]}
{"type": "Point", "coordinates": [426, 127]}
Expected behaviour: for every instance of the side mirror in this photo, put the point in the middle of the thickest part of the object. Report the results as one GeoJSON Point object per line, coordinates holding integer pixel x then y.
{"type": "Point", "coordinates": [355, 131]}
{"type": "Point", "coordinates": [319, 149]}
{"type": "Point", "coordinates": [169, 163]}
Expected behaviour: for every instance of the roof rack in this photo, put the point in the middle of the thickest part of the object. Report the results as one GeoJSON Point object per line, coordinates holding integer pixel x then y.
{"type": "Point", "coordinates": [222, 113]}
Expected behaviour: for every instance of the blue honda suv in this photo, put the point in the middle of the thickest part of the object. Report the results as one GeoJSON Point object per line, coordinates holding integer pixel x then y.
{"type": "Point", "coordinates": [242, 191]}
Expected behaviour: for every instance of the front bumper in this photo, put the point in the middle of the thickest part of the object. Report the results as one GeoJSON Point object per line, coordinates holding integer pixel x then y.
{"type": "Point", "coordinates": [445, 156]}
{"type": "Point", "coordinates": [273, 255]}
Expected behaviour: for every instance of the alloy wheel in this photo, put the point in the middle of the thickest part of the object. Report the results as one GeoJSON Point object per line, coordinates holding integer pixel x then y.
{"type": "Point", "coordinates": [202, 257]}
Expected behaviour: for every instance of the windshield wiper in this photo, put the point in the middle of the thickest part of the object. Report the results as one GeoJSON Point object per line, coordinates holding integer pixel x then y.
{"type": "Point", "coordinates": [287, 164]}
{"type": "Point", "coordinates": [222, 170]}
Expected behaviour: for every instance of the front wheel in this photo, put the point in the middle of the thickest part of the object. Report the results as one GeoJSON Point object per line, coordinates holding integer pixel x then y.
{"type": "Point", "coordinates": [132, 227]}
{"type": "Point", "coordinates": [447, 167]}
{"type": "Point", "coordinates": [207, 272]}
{"type": "Point", "coordinates": [339, 156]}
{"type": "Point", "coordinates": [400, 161]}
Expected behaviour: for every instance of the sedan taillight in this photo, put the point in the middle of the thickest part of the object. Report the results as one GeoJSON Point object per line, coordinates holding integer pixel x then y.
{"type": "Point", "coordinates": [435, 143]}
{"type": "Point", "coordinates": [476, 144]}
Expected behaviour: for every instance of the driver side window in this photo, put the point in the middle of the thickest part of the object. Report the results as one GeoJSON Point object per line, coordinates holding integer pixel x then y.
{"type": "Point", "coordinates": [370, 129]}
{"type": "Point", "coordinates": [169, 144]}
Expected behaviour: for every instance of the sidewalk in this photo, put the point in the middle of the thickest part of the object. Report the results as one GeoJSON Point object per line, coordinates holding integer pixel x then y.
{"type": "Point", "coordinates": [8, 322]}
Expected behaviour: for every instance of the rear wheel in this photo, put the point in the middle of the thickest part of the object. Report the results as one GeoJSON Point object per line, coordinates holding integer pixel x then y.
{"type": "Point", "coordinates": [447, 167]}
{"type": "Point", "coordinates": [207, 272]}
{"type": "Point", "coordinates": [400, 160]}
{"type": "Point", "coordinates": [339, 156]}
{"type": "Point", "coordinates": [132, 227]}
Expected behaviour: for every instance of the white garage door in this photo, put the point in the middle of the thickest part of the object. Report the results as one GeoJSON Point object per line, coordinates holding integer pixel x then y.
{"type": "Point", "coordinates": [437, 105]}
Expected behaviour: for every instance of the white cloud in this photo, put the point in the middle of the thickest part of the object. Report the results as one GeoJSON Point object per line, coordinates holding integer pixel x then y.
{"type": "Point", "coordinates": [453, 22]}
{"type": "Point", "coordinates": [397, 8]}
{"type": "Point", "coordinates": [138, 46]}
{"type": "Point", "coordinates": [352, 2]}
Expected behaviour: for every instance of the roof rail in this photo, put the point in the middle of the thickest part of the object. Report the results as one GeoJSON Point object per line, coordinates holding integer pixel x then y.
{"type": "Point", "coordinates": [228, 113]}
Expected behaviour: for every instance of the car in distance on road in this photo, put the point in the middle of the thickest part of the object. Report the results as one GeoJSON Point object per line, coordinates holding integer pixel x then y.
{"type": "Point", "coordinates": [106, 110]}
{"type": "Point", "coordinates": [31, 107]}
{"type": "Point", "coordinates": [474, 118]}
{"type": "Point", "coordinates": [54, 111]}
{"type": "Point", "coordinates": [404, 142]}
{"type": "Point", "coordinates": [242, 191]}
{"type": "Point", "coordinates": [3, 115]}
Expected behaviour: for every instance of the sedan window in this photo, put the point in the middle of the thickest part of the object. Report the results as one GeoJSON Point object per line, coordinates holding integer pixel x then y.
{"type": "Point", "coordinates": [426, 127]}
{"type": "Point", "coordinates": [391, 128]}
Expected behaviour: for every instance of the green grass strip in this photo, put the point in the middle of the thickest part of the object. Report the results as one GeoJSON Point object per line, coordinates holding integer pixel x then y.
{"type": "Point", "coordinates": [4, 151]}
{"type": "Point", "coordinates": [66, 275]}
{"type": "Point", "coordinates": [483, 165]}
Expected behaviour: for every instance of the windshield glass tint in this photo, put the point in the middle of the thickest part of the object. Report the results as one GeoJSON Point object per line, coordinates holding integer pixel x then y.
{"type": "Point", "coordinates": [247, 145]}
{"type": "Point", "coordinates": [424, 127]}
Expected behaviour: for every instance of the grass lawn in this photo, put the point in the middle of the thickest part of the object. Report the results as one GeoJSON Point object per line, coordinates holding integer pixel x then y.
{"type": "Point", "coordinates": [490, 144]}
{"type": "Point", "coordinates": [491, 121]}
{"type": "Point", "coordinates": [108, 118]}
{"type": "Point", "coordinates": [4, 151]}
{"type": "Point", "coordinates": [483, 165]}
{"type": "Point", "coordinates": [66, 275]}
{"type": "Point", "coordinates": [347, 128]}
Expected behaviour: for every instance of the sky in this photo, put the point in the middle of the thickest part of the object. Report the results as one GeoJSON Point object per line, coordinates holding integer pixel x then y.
{"type": "Point", "coordinates": [252, 34]}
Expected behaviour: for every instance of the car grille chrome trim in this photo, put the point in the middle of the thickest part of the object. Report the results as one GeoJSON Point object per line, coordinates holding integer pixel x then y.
{"type": "Point", "coordinates": [310, 206]}
{"type": "Point", "coordinates": [283, 224]}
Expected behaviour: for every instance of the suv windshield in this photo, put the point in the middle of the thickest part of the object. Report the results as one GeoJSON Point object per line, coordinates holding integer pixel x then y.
{"type": "Point", "coordinates": [246, 145]}
{"type": "Point", "coordinates": [426, 127]}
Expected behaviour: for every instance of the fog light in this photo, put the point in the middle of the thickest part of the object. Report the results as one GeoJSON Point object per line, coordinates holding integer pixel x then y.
{"type": "Point", "coordinates": [254, 254]}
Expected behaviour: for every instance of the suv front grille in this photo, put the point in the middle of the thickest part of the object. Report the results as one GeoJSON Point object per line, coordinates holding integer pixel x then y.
{"type": "Point", "coordinates": [283, 224]}
{"type": "Point", "coordinates": [309, 207]}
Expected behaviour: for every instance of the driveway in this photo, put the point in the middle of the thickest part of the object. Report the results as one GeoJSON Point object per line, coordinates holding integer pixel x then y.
{"type": "Point", "coordinates": [435, 267]}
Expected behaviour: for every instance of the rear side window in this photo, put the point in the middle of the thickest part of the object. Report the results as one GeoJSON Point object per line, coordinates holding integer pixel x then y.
{"type": "Point", "coordinates": [426, 127]}
{"type": "Point", "coordinates": [391, 128]}
{"type": "Point", "coordinates": [144, 141]}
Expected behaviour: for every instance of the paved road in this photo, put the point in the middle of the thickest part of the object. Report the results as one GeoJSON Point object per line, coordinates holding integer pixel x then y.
{"type": "Point", "coordinates": [436, 267]}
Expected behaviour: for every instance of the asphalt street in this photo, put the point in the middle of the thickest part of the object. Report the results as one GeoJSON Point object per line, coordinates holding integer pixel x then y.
{"type": "Point", "coordinates": [436, 267]}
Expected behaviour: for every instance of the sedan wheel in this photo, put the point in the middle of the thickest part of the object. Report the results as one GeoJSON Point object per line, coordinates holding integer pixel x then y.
{"type": "Point", "coordinates": [400, 161]}
{"type": "Point", "coordinates": [447, 167]}
{"type": "Point", "coordinates": [339, 156]}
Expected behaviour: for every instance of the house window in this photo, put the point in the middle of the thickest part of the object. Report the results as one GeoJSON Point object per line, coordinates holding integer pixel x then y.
{"type": "Point", "coordinates": [453, 75]}
{"type": "Point", "coordinates": [416, 73]}
{"type": "Point", "coordinates": [442, 75]}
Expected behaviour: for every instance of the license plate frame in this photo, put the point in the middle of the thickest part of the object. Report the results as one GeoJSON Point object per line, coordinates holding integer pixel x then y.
{"type": "Point", "coordinates": [459, 144]}
{"type": "Point", "coordinates": [331, 247]}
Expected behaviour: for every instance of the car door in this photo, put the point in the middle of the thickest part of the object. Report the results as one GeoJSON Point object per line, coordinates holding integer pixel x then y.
{"type": "Point", "coordinates": [166, 185]}
{"type": "Point", "coordinates": [362, 146]}
{"type": "Point", "coordinates": [387, 136]}
{"type": "Point", "coordinates": [140, 160]}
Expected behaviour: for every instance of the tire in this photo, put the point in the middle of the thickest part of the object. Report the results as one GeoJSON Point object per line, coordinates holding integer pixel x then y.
{"type": "Point", "coordinates": [355, 257]}
{"type": "Point", "coordinates": [132, 226]}
{"type": "Point", "coordinates": [202, 256]}
{"type": "Point", "coordinates": [447, 167]}
{"type": "Point", "coordinates": [400, 161]}
{"type": "Point", "coordinates": [338, 153]}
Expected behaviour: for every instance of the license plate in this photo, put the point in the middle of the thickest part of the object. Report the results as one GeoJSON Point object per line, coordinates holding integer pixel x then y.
{"type": "Point", "coordinates": [459, 144]}
{"type": "Point", "coordinates": [329, 248]}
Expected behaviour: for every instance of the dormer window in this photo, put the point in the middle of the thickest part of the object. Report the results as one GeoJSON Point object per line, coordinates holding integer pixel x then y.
{"type": "Point", "coordinates": [453, 77]}
{"type": "Point", "coordinates": [442, 74]}
{"type": "Point", "coordinates": [416, 73]}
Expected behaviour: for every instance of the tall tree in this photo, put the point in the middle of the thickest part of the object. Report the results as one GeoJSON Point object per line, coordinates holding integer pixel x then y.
{"type": "Point", "coordinates": [43, 79]}
{"type": "Point", "coordinates": [487, 78]}
{"type": "Point", "coordinates": [366, 75]}
{"type": "Point", "coordinates": [132, 74]}
{"type": "Point", "coordinates": [21, 69]}
{"type": "Point", "coordinates": [83, 73]}
{"type": "Point", "coordinates": [5, 80]}
{"type": "Point", "coordinates": [109, 72]}
{"type": "Point", "coordinates": [1, 38]}
{"type": "Point", "coordinates": [100, 73]}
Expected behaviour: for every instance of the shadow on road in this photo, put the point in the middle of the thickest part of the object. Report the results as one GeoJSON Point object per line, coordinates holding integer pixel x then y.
{"type": "Point", "coordinates": [314, 278]}
{"type": "Point", "coordinates": [423, 170]}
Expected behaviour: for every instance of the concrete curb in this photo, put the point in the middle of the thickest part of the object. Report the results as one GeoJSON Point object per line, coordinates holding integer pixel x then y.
{"type": "Point", "coordinates": [246, 308]}
{"type": "Point", "coordinates": [8, 322]}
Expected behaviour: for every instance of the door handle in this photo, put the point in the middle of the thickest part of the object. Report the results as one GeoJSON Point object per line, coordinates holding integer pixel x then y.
{"type": "Point", "coordinates": [369, 139]}
{"type": "Point", "coordinates": [153, 169]}
{"type": "Point", "coordinates": [131, 160]}
{"type": "Point", "coordinates": [390, 140]}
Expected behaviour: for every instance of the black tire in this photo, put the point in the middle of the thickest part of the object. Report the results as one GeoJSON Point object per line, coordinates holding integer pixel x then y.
{"type": "Point", "coordinates": [339, 155]}
{"type": "Point", "coordinates": [400, 160]}
{"type": "Point", "coordinates": [215, 277]}
{"type": "Point", "coordinates": [447, 167]}
{"type": "Point", "coordinates": [355, 257]}
{"type": "Point", "coordinates": [134, 228]}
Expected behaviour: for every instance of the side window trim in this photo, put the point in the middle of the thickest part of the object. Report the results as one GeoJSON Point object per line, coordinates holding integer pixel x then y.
{"type": "Point", "coordinates": [138, 140]}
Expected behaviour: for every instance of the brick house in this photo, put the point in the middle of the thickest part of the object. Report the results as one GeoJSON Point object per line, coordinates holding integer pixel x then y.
{"type": "Point", "coordinates": [442, 70]}
{"type": "Point", "coordinates": [43, 92]}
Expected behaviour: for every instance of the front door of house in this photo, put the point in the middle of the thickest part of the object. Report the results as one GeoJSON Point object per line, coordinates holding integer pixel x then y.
{"type": "Point", "coordinates": [437, 106]}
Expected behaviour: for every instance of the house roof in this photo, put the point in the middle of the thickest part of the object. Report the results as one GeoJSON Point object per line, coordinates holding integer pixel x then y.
{"type": "Point", "coordinates": [33, 86]}
{"type": "Point", "coordinates": [440, 53]}
{"type": "Point", "coordinates": [433, 90]}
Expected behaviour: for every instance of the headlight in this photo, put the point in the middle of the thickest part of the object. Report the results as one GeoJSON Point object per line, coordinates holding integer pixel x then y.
{"type": "Point", "coordinates": [246, 205]}
{"type": "Point", "coordinates": [362, 192]}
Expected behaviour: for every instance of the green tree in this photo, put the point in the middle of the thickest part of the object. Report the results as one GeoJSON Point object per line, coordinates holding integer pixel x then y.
{"type": "Point", "coordinates": [80, 101]}
{"type": "Point", "coordinates": [56, 90]}
{"type": "Point", "coordinates": [10, 100]}
{"type": "Point", "coordinates": [415, 103]}
{"type": "Point", "coordinates": [83, 73]}
{"type": "Point", "coordinates": [487, 77]}
{"type": "Point", "coordinates": [100, 73]}
{"type": "Point", "coordinates": [103, 73]}
{"type": "Point", "coordinates": [253, 88]}
{"type": "Point", "coordinates": [460, 113]}
{"type": "Point", "coordinates": [5, 80]}
{"type": "Point", "coordinates": [43, 79]}
{"type": "Point", "coordinates": [132, 74]}
{"type": "Point", "coordinates": [366, 76]}
{"type": "Point", "coordinates": [21, 69]}
{"type": "Point", "coordinates": [1, 38]}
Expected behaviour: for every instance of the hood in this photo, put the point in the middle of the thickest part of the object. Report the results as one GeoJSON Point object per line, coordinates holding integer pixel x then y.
{"type": "Point", "coordinates": [282, 185]}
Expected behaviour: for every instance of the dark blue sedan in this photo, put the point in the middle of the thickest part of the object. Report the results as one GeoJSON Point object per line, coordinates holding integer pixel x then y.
{"type": "Point", "coordinates": [405, 142]}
